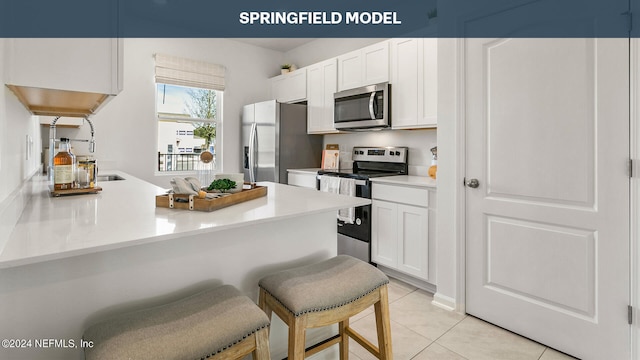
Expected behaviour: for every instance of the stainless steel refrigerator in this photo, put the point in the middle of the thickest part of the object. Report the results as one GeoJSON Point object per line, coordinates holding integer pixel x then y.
{"type": "Point", "coordinates": [274, 139]}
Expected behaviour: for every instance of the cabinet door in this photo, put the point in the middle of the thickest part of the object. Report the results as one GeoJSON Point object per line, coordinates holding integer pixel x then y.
{"type": "Point", "coordinates": [321, 84]}
{"type": "Point", "coordinates": [405, 82]}
{"type": "Point", "coordinates": [414, 78]}
{"type": "Point", "coordinates": [86, 65]}
{"type": "Point", "coordinates": [303, 180]}
{"type": "Point", "coordinates": [290, 87]}
{"type": "Point", "coordinates": [375, 64]}
{"type": "Point", "coordinates": [413, 240]}
{"type": "Point", "coordinates": [428, 101]}
{"type": "Point", "coordinates": [384, 233]}
{"type": "Point", "coordinates": [350, 70]}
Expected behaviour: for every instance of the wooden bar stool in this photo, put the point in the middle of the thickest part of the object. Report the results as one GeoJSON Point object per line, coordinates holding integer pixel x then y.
{"type": "Point", "coordinates": [220, 323]}
{"type": "Point", "coordinates": [326, 293]}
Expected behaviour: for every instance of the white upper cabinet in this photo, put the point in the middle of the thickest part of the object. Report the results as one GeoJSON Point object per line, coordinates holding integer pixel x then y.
{"type": "Point", "coordinates": [85, 65]}
{"type": "Point", "coordinates": [367, 66]}
{"type": "Point", "coordinates": [414, 83]}
{"type": "Point", "coordinates": [64, 77]}
{"type": "Point", "coordinates": [322, 81]}
{"type": "Point", "coordinates": [290, 87]}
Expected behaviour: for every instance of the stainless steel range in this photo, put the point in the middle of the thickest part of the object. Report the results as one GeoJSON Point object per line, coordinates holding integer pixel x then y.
{"type": "Point", "coordinates": [354, 238]}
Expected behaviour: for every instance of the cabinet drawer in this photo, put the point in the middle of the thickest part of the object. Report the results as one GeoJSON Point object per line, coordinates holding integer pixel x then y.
{"type": "Point", "coordinates": [401, 194]}
{"type": "Point", "coordinates": [304, 180]}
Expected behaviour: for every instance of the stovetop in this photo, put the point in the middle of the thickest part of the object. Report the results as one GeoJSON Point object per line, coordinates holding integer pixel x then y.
{"type": "Point", "coordinates": [369, 162]}
{"type": "Point", "coordinates": [350, 173]}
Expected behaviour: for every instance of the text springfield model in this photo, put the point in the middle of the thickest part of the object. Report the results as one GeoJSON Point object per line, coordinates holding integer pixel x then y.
{"type": "Point", "coordinates": [318, 18]}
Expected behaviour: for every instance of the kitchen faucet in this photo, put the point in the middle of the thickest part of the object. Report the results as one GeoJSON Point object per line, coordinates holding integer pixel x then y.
{"type": "Point", "coordinates": [52, 142]}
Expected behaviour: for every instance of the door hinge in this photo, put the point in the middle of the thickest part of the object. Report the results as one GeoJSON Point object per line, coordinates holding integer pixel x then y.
{"type": "Point", "coordinates": [630, 167]}
{"type": "Point", "coordinates": [630, 314]}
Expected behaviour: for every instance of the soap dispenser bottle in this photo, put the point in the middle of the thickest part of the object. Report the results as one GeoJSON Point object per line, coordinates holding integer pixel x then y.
{"type": "Point", "coordinates": [434, 162]}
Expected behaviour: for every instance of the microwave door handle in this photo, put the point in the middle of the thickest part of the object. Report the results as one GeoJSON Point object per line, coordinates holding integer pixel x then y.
{"type": "Point", "coordinates": [372, 99]}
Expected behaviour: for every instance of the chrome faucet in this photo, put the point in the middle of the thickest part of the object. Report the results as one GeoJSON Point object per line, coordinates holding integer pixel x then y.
{"type": "Point", "coordinates": [52, 142]}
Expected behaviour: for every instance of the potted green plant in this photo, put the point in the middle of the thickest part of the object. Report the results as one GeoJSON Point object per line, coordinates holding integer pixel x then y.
{"type": "Point", "coordinates": [285, 68]}
{"type": "Point", "coordinates": [222, 185]}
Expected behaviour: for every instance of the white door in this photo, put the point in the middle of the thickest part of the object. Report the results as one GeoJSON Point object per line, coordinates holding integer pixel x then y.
{"type": "Point", "coordinates": [547, 227]}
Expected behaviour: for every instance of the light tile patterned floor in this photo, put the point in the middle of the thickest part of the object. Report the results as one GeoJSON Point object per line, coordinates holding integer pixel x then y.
{"type": "Point", "coordinates": [421, 331]}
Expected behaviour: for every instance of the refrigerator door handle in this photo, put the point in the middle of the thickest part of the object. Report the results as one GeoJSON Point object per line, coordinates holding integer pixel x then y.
{"type": "Point", "coordinates": [252, 149]}
{"type": "Point", "coordinates": [256, 144]}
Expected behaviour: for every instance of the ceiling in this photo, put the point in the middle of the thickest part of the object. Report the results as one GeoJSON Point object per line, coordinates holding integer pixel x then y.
{"type": "Point", "coordinates": [278, 44]}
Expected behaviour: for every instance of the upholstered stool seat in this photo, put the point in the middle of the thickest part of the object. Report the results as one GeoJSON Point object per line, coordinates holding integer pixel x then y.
{"type": "Point", "coordinates": [326, 293]}
{"type": "Point", "coordinates": [219, 323]}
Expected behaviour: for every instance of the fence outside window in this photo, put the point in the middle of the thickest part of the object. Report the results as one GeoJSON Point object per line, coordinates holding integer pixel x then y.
{"type": "Point", "coordinates": [179, 162]}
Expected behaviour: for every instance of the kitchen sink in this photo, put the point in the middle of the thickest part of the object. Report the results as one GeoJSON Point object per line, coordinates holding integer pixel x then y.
{"type": "Point", "coordinates": [109, 177]}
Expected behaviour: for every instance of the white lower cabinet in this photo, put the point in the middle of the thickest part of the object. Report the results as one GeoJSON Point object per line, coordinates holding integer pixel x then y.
{"type": "Point", "coordinates": [400, 229]}
{"type": "Point", "coordinates": [302, 179]}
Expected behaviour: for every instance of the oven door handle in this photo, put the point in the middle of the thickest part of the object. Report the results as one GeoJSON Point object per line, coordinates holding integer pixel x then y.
{"type": "Point", "coordinates": [358, 182]}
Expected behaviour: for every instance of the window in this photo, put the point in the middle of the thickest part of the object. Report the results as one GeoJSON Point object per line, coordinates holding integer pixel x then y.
{"type": "Point", "coordinates": [189, 107]}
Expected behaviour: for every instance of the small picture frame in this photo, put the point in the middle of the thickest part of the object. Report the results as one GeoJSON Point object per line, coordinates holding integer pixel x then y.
{"type": "Point", "coordinates": [331, 157]}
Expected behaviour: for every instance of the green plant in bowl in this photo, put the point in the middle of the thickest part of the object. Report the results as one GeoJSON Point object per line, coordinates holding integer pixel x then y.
{"type": "Point", "coordinates": [222, 185]}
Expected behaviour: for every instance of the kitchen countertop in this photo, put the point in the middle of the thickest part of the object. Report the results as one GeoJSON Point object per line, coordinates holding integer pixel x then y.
{"type": "Point", "coordinates": [124, 214]}
{"type": "Point", "coordinates": [407, 180]}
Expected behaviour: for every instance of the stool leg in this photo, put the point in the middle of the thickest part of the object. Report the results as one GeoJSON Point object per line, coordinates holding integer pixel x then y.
{"type": "Point", "coordinates": [344, 339]}
{"type": "Point", "coordinates": [297, 333]}
{"type": "Point", "coordinates": [383, 324]}
{"type": "Point", "coordinates": [262, 303]}
{"type": "Point", "coordinates": [262, 345]}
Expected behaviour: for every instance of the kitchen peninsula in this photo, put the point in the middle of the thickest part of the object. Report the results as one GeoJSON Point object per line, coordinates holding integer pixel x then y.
{"type": "Point", "coordinates": [71, 261]}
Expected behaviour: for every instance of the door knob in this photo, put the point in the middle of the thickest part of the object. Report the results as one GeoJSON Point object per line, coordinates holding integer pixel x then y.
{"type": "Point", "coordinates": [472, 183]}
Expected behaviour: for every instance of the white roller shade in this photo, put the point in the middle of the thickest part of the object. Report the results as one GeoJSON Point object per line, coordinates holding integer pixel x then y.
{"type": "Point", "coordinates": [186, 72]}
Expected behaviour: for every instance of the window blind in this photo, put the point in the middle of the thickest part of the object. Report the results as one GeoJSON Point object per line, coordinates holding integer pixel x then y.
{"type": "Point", "coordinates": [186, 72]}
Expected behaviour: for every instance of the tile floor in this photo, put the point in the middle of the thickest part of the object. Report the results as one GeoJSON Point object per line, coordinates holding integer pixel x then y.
{"type": "Point", "coordinates": [421, 331]}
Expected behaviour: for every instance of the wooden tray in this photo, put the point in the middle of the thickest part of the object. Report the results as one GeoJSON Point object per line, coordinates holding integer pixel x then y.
{"type": "Point", "coordinates": [195, 203]}
{"type": "Point", "coordinates": [57, 193]}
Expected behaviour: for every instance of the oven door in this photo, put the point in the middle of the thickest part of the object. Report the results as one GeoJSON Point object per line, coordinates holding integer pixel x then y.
{"type": "Point", "coordinates": [355, 239]}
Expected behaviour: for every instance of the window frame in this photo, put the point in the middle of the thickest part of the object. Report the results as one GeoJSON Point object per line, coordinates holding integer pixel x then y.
{"type": "Point", "coordinates": [217, 146]}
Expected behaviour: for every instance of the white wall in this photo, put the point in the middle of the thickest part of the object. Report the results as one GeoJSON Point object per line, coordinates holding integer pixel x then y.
{"type": "Point", "coordinates": [16, 124]}
{"type": "Point", "coordinates": [450, 235]}
{"type": "Point", "coordinates": [125, 128]}
{"type": "Point", "coordinates": [323, 49]}
{"type": "Point", "coordinates": [419, 142]}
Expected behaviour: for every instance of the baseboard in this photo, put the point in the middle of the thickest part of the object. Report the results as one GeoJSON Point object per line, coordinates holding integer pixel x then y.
{"type": "Point", "coordinates": [419, 283]}
{"type": "Point", "coordinates": [444, 302]}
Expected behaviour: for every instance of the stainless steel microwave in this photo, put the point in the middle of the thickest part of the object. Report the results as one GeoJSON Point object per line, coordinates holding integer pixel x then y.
{"type": "Point", "coordinates": [363, 108]}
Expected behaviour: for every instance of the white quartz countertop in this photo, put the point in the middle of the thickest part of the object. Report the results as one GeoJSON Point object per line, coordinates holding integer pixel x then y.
{"type": "Point", "coordinates": [406, 180]}
{"type": "Point", "coordinates": [124, 214]}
